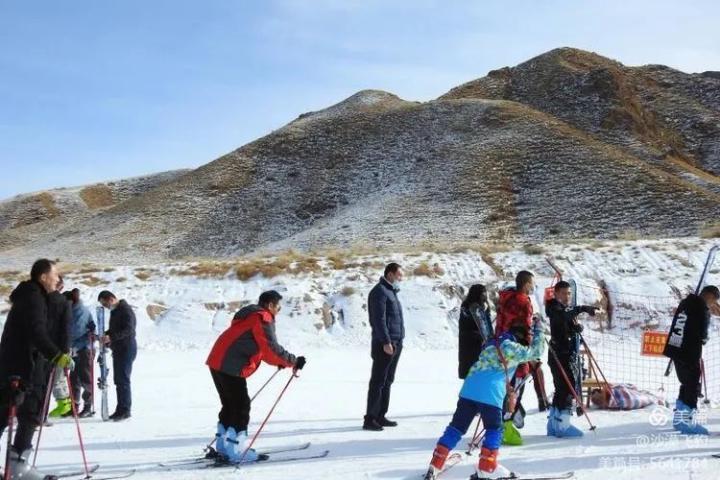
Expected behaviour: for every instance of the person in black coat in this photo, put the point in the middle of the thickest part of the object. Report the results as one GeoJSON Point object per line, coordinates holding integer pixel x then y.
{"type": "Point", "coordinates": [120, 336]}
{"type": "Point", "coordinates": [474, 328]}
{"type": "Point", "coordinates": [59, 319]}
{"type": "Point", "coordinates": [26, 339]}
{"type": "Point", "coordinates": [688, 333]}
{"type": "Point", "coordinates": [388, 331]}
{"type": "Point", "coordinates": [564, 329]}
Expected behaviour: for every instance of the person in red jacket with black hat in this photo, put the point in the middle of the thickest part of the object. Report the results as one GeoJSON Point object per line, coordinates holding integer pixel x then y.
{"type": "Point", "coordinates": [236, 355]}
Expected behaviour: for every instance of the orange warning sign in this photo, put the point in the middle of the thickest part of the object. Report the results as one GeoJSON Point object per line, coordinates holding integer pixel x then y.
{"type": "Point", "coordinates": [653, 343]}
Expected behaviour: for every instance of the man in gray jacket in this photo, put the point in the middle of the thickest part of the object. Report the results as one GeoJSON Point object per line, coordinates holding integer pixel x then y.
{"type": "Point", "coordinates": [388, 332]}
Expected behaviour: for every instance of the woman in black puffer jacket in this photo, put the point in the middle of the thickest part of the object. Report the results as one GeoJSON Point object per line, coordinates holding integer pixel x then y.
{"type": "Point", "coordinates": [475, 327]}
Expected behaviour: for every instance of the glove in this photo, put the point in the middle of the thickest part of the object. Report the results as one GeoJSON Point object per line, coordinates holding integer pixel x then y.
{"type": "Point", "coordinates": [63, 360]}
{"type": "Point", "coordinates": [299, 363]}
{"type": "Point", "coordinates": [91, 327]}
{"type": "Point", "coordinates": [591, 311]}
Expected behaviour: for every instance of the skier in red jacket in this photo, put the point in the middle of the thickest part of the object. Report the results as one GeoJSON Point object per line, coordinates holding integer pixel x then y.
{"type": "Point", "coordinates": [515, 310]}
{"type": "Point", "coordinates": [236, 355]}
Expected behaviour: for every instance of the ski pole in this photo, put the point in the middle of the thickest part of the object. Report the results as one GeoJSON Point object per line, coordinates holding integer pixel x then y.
{"type": "Point", "coordinates": [265, 385]}
{"type": "Point", "coordinates": [472, 445]}
{"type": "Point", "coordinates": [92, 372]}
{"type": "Point", "coordinates": [272, 409]}
{"type": "Point", "coordinates": [46, 407]}
{"type": "Point", "coordinates": [475, 443]}
{"type": "Point", "coordinates": [12, 412]}
{"type": "Point", "coordinates": [77, 426]}
{"type": "Point", "coordinates": [704, 381]}
{"type": "Point", "coordinates": [479, 434]}
{"type": "Point", "coordinates": [569, 384]}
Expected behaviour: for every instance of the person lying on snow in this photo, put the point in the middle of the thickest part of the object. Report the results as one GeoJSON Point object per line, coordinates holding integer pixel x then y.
{"type": "Point", "coordinates": [483, 392]}
{"type": "Point", "coordinates": [624, 396]}
{"type": "Point", "coordinates": [236, 355]}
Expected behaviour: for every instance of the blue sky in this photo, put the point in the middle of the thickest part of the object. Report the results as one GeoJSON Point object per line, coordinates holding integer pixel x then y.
{"type": "Point", "coordinates": [95, 90]}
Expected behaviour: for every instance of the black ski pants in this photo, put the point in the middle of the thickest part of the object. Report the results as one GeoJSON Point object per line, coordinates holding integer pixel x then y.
{"type": "Point", "coordinates": [233, 392]}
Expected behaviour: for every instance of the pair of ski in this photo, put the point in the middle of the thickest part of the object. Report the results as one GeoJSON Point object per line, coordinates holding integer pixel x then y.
{"type": "Point", "coordinates": [102, 382]}
{"type": "Point", "coordinates": [457, 458]}
{"type": "Point", "coordinates": [92, 469]}
{"type": "Point", "coordinates": [212, 460]}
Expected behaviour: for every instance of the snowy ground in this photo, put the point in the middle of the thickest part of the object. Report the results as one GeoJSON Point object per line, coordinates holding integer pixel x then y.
{"type": "Point", "coordinates": [175, 412]}
{"type": "Point", "coordinates": [325, 318]}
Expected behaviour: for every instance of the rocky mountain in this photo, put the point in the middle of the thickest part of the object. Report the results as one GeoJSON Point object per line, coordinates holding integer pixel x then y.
{"type": "Point", "coordinates": [566, 145]}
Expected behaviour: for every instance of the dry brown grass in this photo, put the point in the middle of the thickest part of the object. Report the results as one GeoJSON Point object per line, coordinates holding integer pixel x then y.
{"type": "Point", "coordinates": [13, 277]}
{"type": "Point", "coordinates": [143, 275]}
{"type": "Point", "coordinates": [337, 260]}
{"type": "Point", "coordinates": [348, 291]}
{"type": "Point", "coordinates": [426, 270]}
{"type": "Point", "coordinates": [204, 269]}
{"type": "Point", "coordinates": [97, 196]}
{"type": "Point", "coordinates": [91, 281]}
{"type": "Point", "coordinates": [48, 202]}
{"type": "Point", "coordinates": [630, 235]}
{"type": "Point", "coordinates": [532, 249]}
{"type": "Point", "coordinates": [710, 230]}
{"type": "Point", "coordinates": [121, 279]}
{"type": "Point", "coordinates": [155, 311]}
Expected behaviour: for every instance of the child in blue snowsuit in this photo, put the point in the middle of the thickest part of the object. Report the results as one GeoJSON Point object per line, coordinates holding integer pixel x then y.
{"type": "Point", "coordinates": [483, 393]}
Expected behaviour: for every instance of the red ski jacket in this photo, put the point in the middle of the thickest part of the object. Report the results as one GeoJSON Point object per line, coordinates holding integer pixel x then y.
{"type": "Point", "coordinates": [249, 340]}
{"type": "Point", "coordinates": [514, 309]}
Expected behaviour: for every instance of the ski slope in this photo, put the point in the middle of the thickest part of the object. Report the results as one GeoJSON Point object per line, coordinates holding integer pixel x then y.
{"type": "Point", "coordinates": [324, 317]}
{"type": "Point", "coordinates": [175, 411]}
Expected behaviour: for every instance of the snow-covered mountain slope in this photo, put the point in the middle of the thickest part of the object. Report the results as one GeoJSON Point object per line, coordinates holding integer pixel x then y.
{"type": "Point", "coordinates": [623, 149]}
{"type": "Point", "coordinates": [186, 305]}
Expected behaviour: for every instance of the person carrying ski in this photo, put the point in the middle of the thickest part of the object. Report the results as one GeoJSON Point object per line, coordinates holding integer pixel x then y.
{"type": "Point", "coordinates": [688, 333]}
{"type": "Point", "coordinates": [484, 392]}
{"type": "Point", "coordinates": [564, 331]}
{"type": "Point", "coordinates": [82, 336]}
{"type": "Point", "coordinates": [120, 336]}
{"type": "Point", "coordinates": [236, 355]}
{"type": "Point", "coordinates": [25, 338]}
{"type": "Point", "coordinates": [474, 328]}
{"type": "Point", "coordinates": [515, 309]}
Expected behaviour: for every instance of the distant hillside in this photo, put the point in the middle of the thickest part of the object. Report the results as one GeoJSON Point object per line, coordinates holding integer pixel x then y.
{"type": "Point", "coordinates": [567, 145]}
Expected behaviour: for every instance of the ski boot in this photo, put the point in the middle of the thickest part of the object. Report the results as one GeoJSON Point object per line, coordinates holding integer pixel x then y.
{"type": "Point", "coordinates": [63, 407]}
{"type": "Point", "coordinates": [684, 421]}
{"type": "Point", "coordinates": [20, 469]}
{"type": "Point", "coordinates": [220, 450]}
{"type": "Point", "coordinates": [235, 448]}
{"type": "Point", "coordinates": [488, 467]}
{"type": "Point", "coordinates": [87, 411]}
{"type": "Point", "coordinates": [563, 427]}
{"type": "Point", "coordinates": [552, 422]}
{"type": "Point", "coordinates": [438, 462]}
{"type": "Point", "coordinates": [70, 412]}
